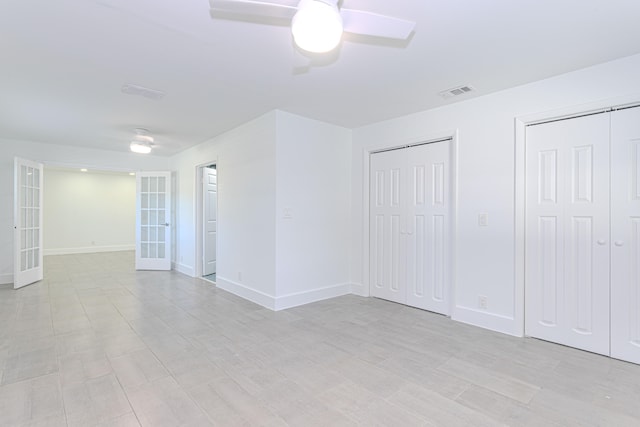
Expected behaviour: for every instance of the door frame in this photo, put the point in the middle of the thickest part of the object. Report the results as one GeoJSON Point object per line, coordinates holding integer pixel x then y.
{"type": "Point", "coordinates": [366, 153]}
{"type": "Point", "coordinates": [72, 166]}
{"type": "Point", "coordinates": [520, 125]}
{"type": "Point", "coordinates": [199, 215]}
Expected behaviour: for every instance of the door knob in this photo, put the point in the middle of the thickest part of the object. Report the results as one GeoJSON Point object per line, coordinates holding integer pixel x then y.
{"type": "Point", "coordinates": [619, 243]}
{"type": "Point", "coordinates": [166, 224]}
{"type": "Point", "coordinates": [602, 242]}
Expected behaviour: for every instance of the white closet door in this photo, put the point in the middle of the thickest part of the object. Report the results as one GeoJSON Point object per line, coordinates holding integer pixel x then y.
{"type": "Point", "coordinates": [567, 232]}
{"type": "Point", "coordinates": [153, 210]}
{"type": "Point", "coordinates": [388, 191]}
{"type": "Point", "coordinates": [625, 235]}
{"type": "Point", "coordinates": [428, 227]}
{"type": "Point", "coordinates": [210, 191]}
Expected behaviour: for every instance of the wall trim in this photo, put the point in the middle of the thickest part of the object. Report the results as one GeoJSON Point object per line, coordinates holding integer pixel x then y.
{"type": "Point", "coordinates": [285, 301]}
{"type": "Point", "coordinates": [183, 268]}
{"type": "Point", "coordinates": [245, 292]}
{"type": "Point", "coordinates": [360, 289]}
{"type": "Point", "coordinates": [6, 279]}
{"type": "Point", "coordinates": [88, 250]}
{"type": "Point", "coordinates": [484, 319]}
{"type": "Point", "coordinates": [301, 298]}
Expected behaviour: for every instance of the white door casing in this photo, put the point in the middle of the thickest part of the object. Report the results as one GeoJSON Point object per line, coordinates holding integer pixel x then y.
{"type": "Point", "coordinates": [27, 263]}
{"type": "Point", "coordinates": [153, 232]}
{"type": "Point", "coordinates": [410, 210]}
{"type": "Point", "coordinates": [625, 234]}
{"type": "Point", "coordinates": [567, 232]}
{"type": "Point", "coordinates": [210, 213]}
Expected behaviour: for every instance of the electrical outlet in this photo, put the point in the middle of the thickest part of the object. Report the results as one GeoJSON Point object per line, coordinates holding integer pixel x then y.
{"type": "Point", "coordinates": [482, 302]}
{"type": "Point", "coordinates": [239, 276]}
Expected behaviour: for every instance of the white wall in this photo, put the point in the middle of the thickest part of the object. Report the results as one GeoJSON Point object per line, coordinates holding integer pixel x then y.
{"type": "Point", "coordinates": [484, 261]}
{"type": "Point", "coordinates": [59, 155]}
{"type": "Point", "coordinates": [246, 162]}
{"type": "Point", "coordinates": [274, 162]}
{"type": "Point", "coordinates": [313, 189]}
{"type": "Point", "coordinates": [88, 211]}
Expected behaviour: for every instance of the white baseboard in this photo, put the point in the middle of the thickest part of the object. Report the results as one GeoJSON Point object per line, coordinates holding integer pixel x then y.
{"type": "Point", "coordinates": [306, 297]}
{"type": "Point", "coordinates": [360, 290]}
{"type": "Point", "coordinates": [88, 250]}
{"type": "Point", "coordinates": [5, 279]}
{"type": "Point", "coordinates": [487, 320]}
{"type": "Point", "coordinates": [285, 301]}
{"type": "Point", "coordinates": [242, 291]}
{"type": "Point", "coordinates": [184, 269]}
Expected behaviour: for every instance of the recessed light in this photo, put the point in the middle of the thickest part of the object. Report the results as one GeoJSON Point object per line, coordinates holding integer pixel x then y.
{"type": "Point", "coordinates": [83, 170]}
{"type": "Point", "coordinates": [132, 173]}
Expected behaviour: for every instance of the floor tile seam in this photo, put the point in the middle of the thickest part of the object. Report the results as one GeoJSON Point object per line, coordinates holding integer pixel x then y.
{"type": "Point", "coordinates": [406, 409]}
{"type": "Point", "coordinates": [124, 392]}
{"type": "Point", "coordinates": [483, 385]}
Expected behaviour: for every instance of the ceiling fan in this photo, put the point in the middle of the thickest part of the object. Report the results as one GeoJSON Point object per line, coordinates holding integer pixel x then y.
{"type": "Point", "coordinates": [317, 25]}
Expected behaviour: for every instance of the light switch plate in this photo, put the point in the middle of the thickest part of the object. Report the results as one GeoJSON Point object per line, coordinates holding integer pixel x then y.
{"type": "Point", "coordinates": [483, 219]}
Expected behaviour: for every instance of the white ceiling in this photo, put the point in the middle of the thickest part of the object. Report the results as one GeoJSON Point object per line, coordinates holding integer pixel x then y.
{"type": "Point", "coordinates": [63, 63]}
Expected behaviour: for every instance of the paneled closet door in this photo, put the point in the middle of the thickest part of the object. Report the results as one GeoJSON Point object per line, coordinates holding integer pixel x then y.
{"type": "Point", "coordinates": [428, 239]}
{"type": "Point", "coordinates": [567, 232]}
{"type": "Point", "coordinates": [625, 234]}
{"type": "Point", "coordinates": [387, 222]}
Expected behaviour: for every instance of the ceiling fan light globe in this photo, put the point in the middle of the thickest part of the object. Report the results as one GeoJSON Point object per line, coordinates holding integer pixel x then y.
{"type": "Point", "coordinates": [316, 26]}
{"type": "Point", "coordinates": [140, 147]}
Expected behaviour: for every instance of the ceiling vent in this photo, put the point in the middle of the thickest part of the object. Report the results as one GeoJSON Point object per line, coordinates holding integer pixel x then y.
{"type": "Point", "coordinates": [130, 89]}
{"type": "Point", "coordinates": [456, 91]}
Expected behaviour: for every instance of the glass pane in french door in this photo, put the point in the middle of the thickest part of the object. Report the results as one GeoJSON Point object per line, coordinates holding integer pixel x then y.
{"type": "Point", "coordinates": [152, 217]}
{"type": "Point", "coordinates": [29, 224]}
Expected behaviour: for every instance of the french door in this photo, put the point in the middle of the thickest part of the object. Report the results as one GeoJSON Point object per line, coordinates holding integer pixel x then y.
{"type": "Point", "coordinates": [582, 249]}
{"type": "Point", "coordinates": [410, 225]}
{"type": "Point", "coordinates": [27, 263]}
{"type": "Point", "coordinates": [153, 232]}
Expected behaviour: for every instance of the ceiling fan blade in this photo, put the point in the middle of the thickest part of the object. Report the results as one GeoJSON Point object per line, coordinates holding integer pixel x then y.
{"type": "Point", "coordinates": [373, 24]}
{"type": "Point", "coordinates": [284, 9]}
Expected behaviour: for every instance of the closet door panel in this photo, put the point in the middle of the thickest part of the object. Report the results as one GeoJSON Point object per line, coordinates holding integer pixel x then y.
{"type": "Point", "coordinates": [387, 236]}
{"type": "Point", "coordinates": [625, 234]}
{"type": "Point", "coordinates": [567, 232]}
{"type": "Point", "coordinates": [428, 234]}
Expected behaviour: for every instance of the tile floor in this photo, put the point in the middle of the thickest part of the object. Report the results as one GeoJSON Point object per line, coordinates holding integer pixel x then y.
{"type": "Point", "coordinates": [97, 344]}
{"type": "Point", "coordinates": [210, 277]}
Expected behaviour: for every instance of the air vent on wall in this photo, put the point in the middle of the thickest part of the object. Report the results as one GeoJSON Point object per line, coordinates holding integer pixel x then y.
{"type": "Point", "coordinates": [456, 91]}
{"type": "Point", "coordinates": [142, 91]}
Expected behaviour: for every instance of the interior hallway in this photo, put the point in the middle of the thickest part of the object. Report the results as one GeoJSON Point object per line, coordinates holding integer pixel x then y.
{"type": "Point", "coordinates": [97, 343]}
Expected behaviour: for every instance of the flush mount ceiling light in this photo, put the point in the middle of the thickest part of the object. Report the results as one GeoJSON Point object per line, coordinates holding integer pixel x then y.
{"type": "Point", "coordinates": [316, 26]}
{"type": "Point", "coordinates": [142, 143]}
